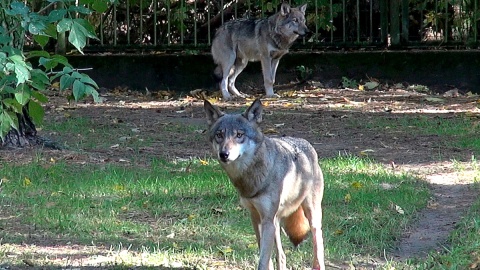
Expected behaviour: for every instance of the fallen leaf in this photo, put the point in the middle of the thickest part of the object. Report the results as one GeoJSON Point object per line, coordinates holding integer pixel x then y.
{"type": "Point", "coordinates": [270, 131]}
{"type": "Point", "coordinates": [347, 198]}
{"type": "Point", "coordinates": [434, 99]}
{"type": "Point", "coordinates": [27, 182]}
{"type": "Point", "coordinates": [357, 185]}
{"type": "Point", "coordinates": [371, 85]}
{"type": "Point", "coordinates": [366, 151]}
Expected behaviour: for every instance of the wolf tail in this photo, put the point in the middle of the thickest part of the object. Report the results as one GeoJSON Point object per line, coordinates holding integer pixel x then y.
{"type": "Point", "coordinates": [218, 74]}
{"type": "Point", "coordinates": [296, 226]}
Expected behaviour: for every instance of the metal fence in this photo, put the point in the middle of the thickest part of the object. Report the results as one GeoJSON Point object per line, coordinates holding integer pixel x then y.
{"type": "Point", "coordinates": [334, 23]}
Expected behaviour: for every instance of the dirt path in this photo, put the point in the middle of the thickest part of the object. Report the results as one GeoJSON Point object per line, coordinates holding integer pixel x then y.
{"type": "Point", "coordinates": [452, 195]}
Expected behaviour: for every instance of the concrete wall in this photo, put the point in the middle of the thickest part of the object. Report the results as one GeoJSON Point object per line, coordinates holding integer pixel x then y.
{"type": "Point", "coordinates": [439, 70]}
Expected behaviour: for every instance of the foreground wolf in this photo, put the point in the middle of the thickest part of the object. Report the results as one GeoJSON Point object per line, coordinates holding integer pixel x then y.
{"type": "Point", "coordinates": [239, 41]}
{"type": "Point", "coordinates": [278, 180]}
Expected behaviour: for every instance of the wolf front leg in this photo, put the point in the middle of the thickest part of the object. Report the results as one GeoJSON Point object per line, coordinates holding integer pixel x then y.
{"type": "Point", "coordinates": [268, 79]}
{"type": "Point", "coordinates": [281, 258]}
{"type": "Point", "coordinates": [267, 239]}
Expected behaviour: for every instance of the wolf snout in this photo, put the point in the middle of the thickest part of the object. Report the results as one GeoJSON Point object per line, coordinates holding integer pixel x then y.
{"type": "Point", "coordinates": [223, 156]}
{"type": "Point", "coordinates": [303, 32]}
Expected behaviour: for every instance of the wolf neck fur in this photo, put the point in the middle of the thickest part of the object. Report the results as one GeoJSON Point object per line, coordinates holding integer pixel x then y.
{"type": "Point", "coordinates": [243, 173]}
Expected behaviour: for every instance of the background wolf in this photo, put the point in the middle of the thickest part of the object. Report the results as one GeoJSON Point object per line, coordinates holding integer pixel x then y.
{"type": "Point", "coordinates": [239, 41]}
{"type": "Point", "coordinates": [278, 179]}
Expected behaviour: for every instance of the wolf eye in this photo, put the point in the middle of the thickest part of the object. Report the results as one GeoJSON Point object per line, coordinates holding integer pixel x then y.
{"type": "Point", "coordinates": [294, 20]}
{"type": "Point", "coordinates": [219, 135]}
{"type": "Point", "coordinates": [239, 135]}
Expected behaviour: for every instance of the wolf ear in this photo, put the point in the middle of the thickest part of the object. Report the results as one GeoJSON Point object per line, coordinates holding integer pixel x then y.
{"type": "Point", "coordinates": [303, 8]}
{"type": "Point", "coordinates": [254, 112]}
{"type": "Point", "coordinates": [211, 112]}
{"type": "Point", "coordinates": [285, 9]}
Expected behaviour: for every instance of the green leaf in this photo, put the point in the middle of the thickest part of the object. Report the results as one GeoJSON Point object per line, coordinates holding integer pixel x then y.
{"type": "Point", "coordinates": [78, 90]}
{"type": "Point", "coordinates": [47, 63]}
{"type": "Point", "coordinates": [62, 60]}
{"type": "Point", "coordinates": [13, 104]}
{"type": "Point", "coordinates": [66, 81]}
{"type": "Point", "coordinates": [77, 37]}
{"type": "Point", "coordinates": [56, 15]}
{"type": "Point", "coordinates": [39, 79]}
{"type": "Point", "coordinates": [5, 125]}
{"type": "Point", "coordinates": [89, 90]}
{"type": "Point", "coordinates": [23, 94]}
{"type": "Point", "coordinates": [86, 79]}
{"type": "Point", "coordinates": [64, 25]}
{"type": "Point", "coordinates": [36, 112]}
{"type": "Point", "coordinates": [50, 30]}
{"type": "Point", "coordinates": [80, 9]}
{"type": "Point", "coordinates": [38, 54]}
{"type": "Point", "coordinates": [17, 8]}
{"type": "Point", "coordinates": [100, 6]}
{"type": "Point", "coordinates": [10, 120]}
{"type": "Point", "coordinates": [21, 69]}
{"type": "Point", "coordinates": [41, 40]}
{"type": "Point", "coordinates": [36, 27]}
{"type": "Point", "coordinates": [39, 97]}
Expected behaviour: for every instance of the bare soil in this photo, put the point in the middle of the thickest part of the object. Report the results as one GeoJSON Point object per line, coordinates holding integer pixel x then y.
{"type": "Point", "coordinates": [335, 121]}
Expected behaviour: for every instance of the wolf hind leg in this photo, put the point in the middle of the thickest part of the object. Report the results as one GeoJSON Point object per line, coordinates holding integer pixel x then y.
{"type": "Point", "coordinates": [313, 212]}
{"type": "Point", "coordinates": [239, 66]}
{"type": "Point", "coordinates": [227, 66]}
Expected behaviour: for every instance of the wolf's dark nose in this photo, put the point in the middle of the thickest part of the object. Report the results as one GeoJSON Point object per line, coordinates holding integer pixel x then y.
{"type": "Point", "coordinates": [223, 156]}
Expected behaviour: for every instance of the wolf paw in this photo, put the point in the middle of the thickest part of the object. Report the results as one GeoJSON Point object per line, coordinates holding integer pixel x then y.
{"type": "Point", "coordinates": [272, 96]}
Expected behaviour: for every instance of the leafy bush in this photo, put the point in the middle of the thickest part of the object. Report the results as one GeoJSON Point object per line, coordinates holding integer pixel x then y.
{"type": "Point", "coordinates": [24, 76]}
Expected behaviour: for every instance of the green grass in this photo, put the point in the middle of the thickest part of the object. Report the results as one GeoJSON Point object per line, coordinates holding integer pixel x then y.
{"type": "Point", "coordinates": [188, 210]}
{"type": "Point", "coordinates": [187, 213]}
{"type": "Point", "coordinates": [459, 131]}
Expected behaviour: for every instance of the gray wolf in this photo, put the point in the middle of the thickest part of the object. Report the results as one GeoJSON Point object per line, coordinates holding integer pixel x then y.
{"type": "Point", "coordinates": [266, 40]}
{"type": "Point", "coordinates": [278, 179]}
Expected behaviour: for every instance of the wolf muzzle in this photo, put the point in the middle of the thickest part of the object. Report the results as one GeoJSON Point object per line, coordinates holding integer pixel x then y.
{"type": "Point", "coordinates": [303, 33]}
{"type": "Point", "coordinates": [223, 155]}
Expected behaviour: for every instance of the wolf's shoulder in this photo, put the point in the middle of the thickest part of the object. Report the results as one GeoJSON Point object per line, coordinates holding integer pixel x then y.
{"type": "Point", "coordinates": [294, 144]}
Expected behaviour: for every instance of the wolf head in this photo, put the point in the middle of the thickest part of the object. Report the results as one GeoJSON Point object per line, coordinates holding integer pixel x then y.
{"type": "Point", "coordinates": [292, 20]}
{"type": "Point", "coordinates": [234, 136]}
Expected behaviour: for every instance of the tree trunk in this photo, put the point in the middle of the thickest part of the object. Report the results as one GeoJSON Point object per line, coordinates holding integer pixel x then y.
{"type": "Point", "coordinates": [26, 135]}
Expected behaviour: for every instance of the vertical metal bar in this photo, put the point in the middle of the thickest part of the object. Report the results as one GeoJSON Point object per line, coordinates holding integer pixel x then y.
{"type": "Point", "coordinates": [236, 10]}
{"type": "Point", "coordinates": [141, 22]}
{"type": "Point", "coordinates": [405, 20]}
{"type": "Point", "coordinates": [331, 20]}
{"type": "Point", "coordinates": [101, 29]}
{"type": "Point", "coordinates": [182, 25]}
{"type": "Point", "coordinates": [195, 23]}
{"type": "Point", "coordinates": [128, 22]}
{"type": "Point", "coordinates": [316, 23]}
{"type": "Point", "coordinates": [261, 7]}
{"type": "Point", "coordinates": [155, 4]}
{"type": "Point", "coordinates": [445, 36]}
{"type": "Point", "coordinates": [115, 24]}
{"type": "Point", "coordinates": [344, 21]}
{"type": "Point", "coordinates": [475, 24]}
{"type": "Point", "coordinates": [221, 10]}
{"type": "Point", "coordinates": [358, 20]}
{"type": "Point", "coordinates": [209, 38]}
{"type": "Point", "coordinates": [436, 20]}
{"type": "Point", "coordinates": [169, 40]}
{"type": "Point", "coordinates": [371, 21]}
